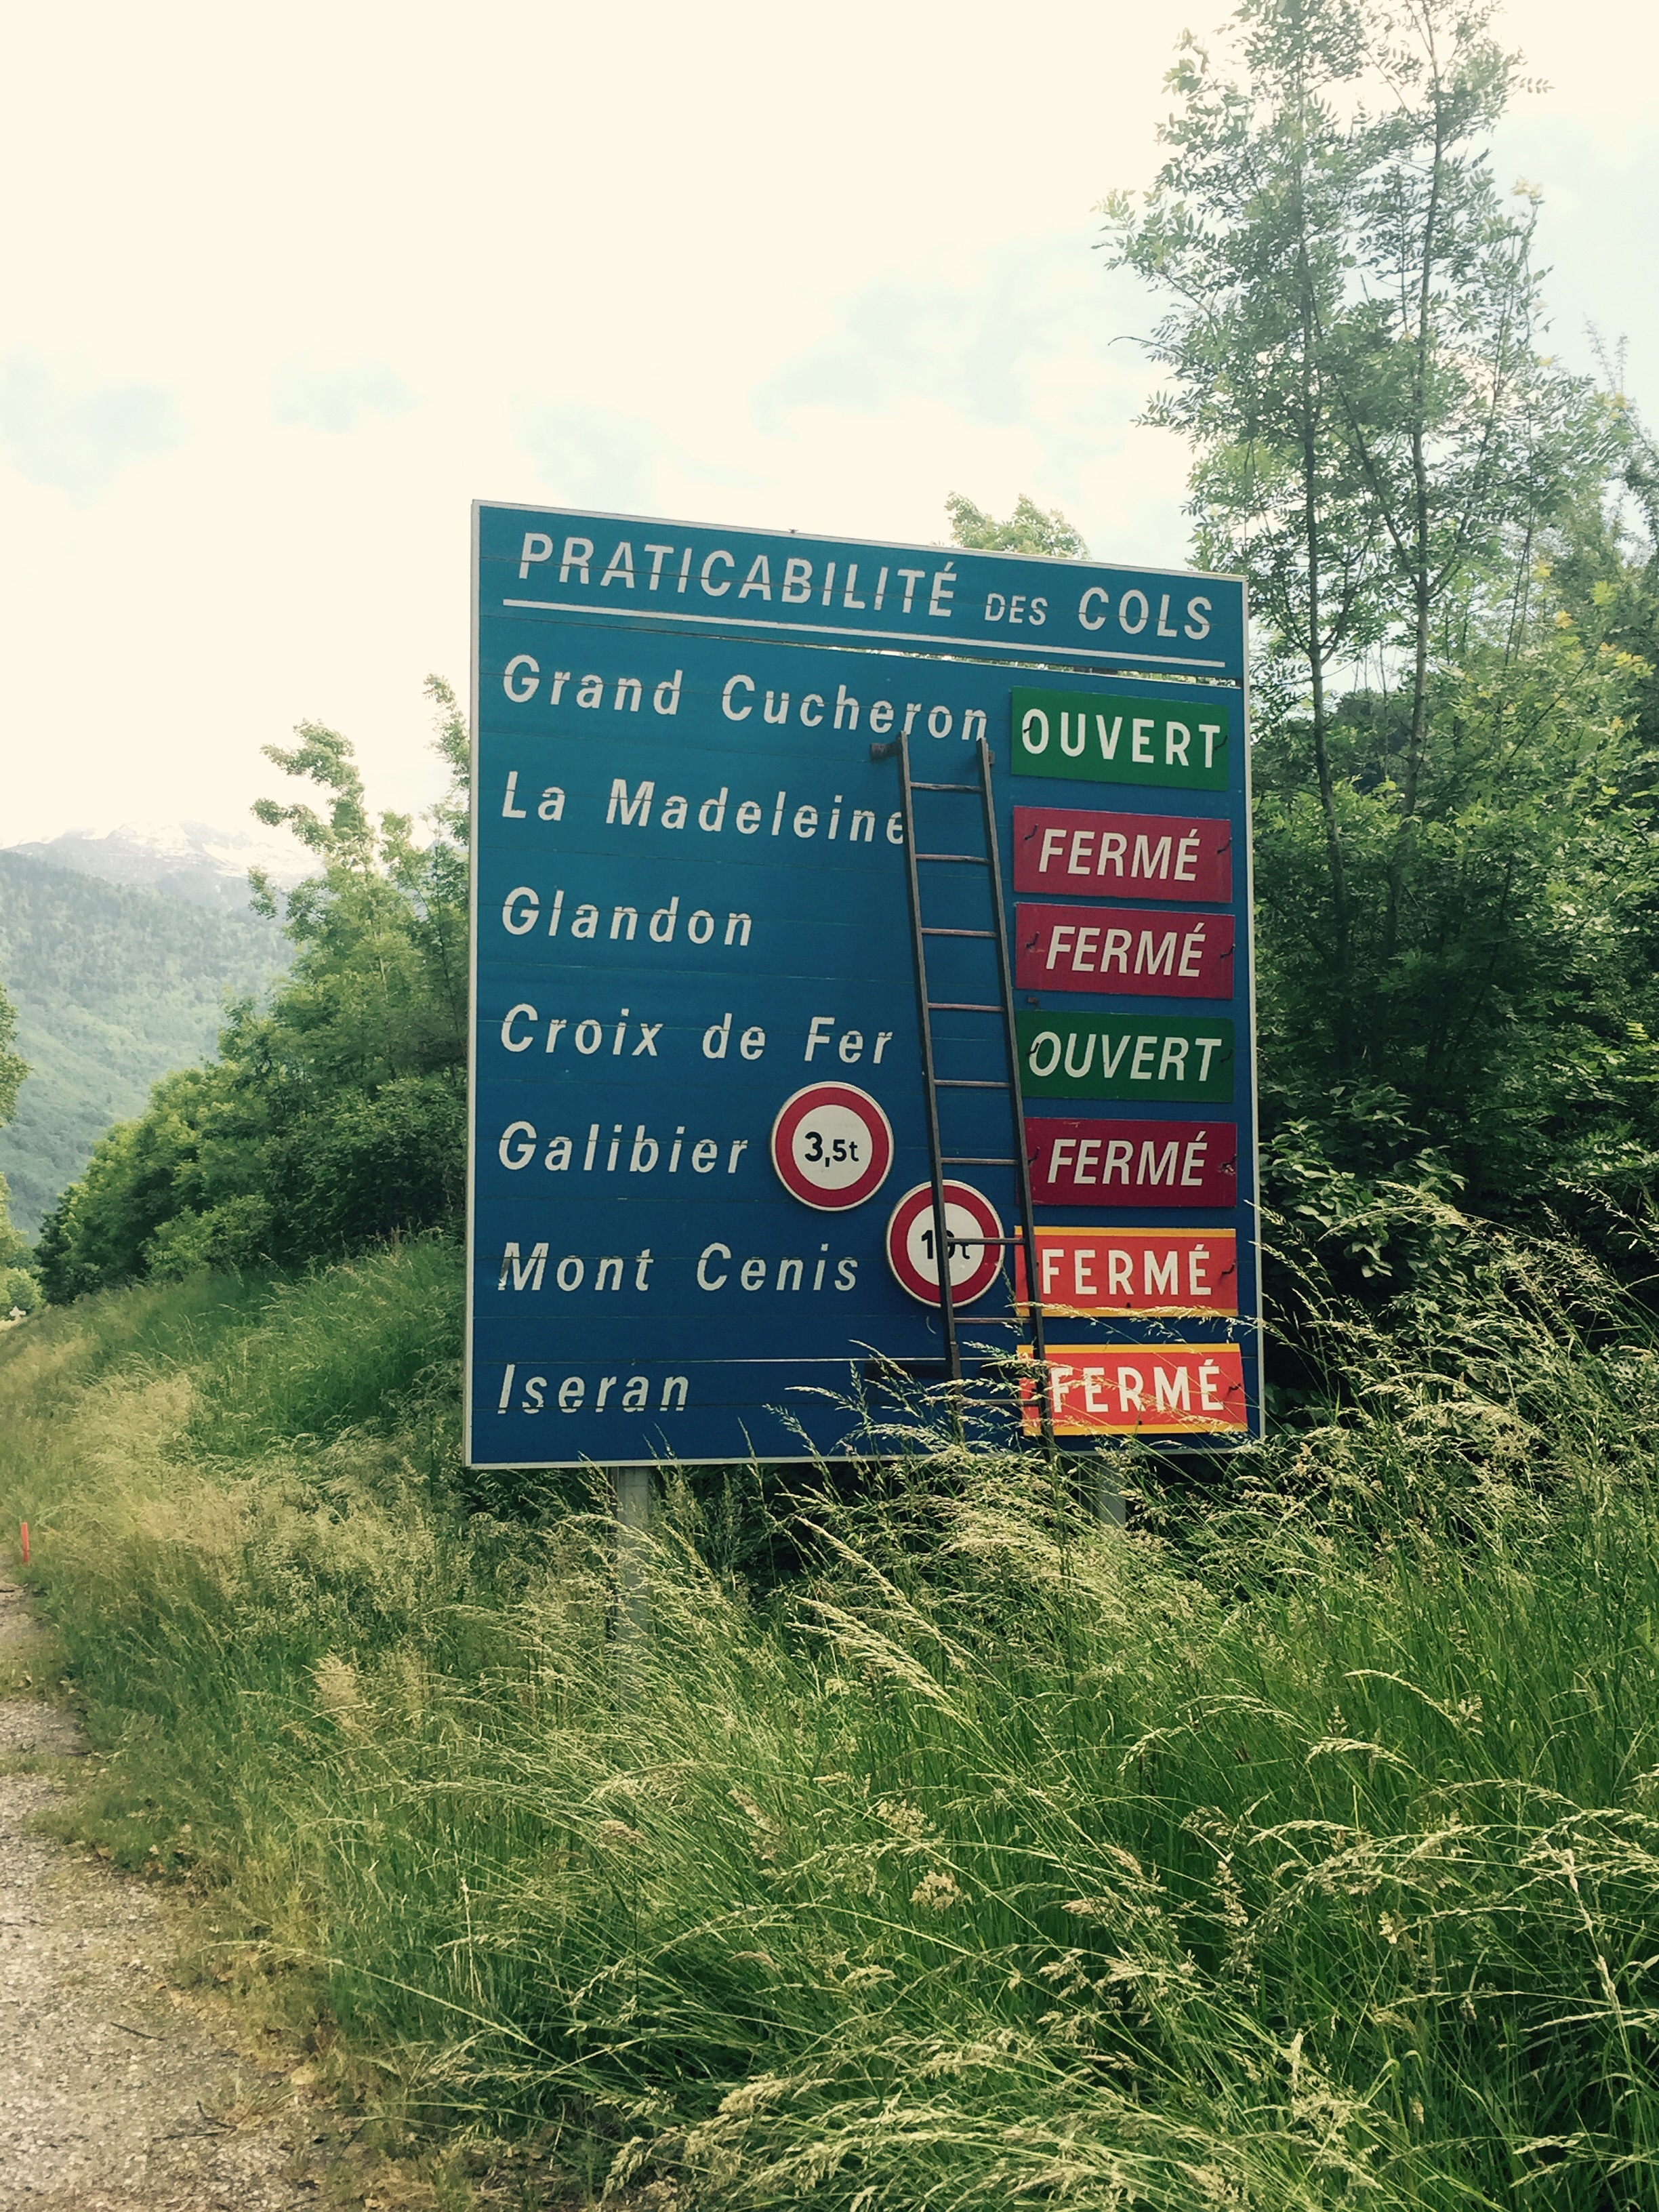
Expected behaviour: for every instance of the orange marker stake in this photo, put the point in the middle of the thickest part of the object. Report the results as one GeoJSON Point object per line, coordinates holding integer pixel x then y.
{"type": "Point", "coordinates": [24, 1532]}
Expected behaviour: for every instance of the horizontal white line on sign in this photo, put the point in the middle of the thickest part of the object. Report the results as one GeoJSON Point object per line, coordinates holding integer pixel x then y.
{"type": "Point", "coordinates": [883, 636]}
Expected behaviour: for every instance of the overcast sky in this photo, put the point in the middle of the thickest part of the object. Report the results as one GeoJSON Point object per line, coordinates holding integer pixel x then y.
{"type": "Point", "coordinates": [283, 290]}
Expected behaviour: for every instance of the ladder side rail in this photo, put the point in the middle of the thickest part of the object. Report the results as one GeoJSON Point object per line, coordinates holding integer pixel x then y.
{"type": "Point", "coordinates": [1017, 1103]}
{"type": "Point", "coordinates": [929, 1081]}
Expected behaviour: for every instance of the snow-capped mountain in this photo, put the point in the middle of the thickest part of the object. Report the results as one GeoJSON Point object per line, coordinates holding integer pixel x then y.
{"type": "Point", "coordinates": [189, 860]}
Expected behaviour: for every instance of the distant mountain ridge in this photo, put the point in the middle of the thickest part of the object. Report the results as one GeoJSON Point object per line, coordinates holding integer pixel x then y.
{"type": "Point", "coordinates": [115, 984]}
{"type": "Point", "coordinates": [190, 861]}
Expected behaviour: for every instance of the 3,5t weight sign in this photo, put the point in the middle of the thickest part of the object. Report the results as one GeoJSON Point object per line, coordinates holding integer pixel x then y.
{"type": "Point", "coordinates": [696, 1074]}
{"type": "Point", "coordinates": [832, 1147]}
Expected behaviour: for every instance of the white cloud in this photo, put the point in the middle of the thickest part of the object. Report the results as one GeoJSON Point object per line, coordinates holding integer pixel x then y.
{"type": "Point", "coordinates": [309, 391]}
{"type": "Point", "coordinates": [586, 455]}
{"type": "Point", "coordinates": [966, 328]}
{"type": "Point", "coordinates": [1004, 369]}
{"type": "Point", "coordinates": [66, 425]}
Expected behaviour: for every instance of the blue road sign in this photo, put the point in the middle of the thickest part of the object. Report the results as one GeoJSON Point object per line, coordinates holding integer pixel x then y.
{"type": "Point", "coordinates": [697, 1099]}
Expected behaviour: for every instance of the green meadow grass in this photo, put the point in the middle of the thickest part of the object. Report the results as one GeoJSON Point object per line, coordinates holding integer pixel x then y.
{"type": "Point", "coordinates": [1298, 1848]}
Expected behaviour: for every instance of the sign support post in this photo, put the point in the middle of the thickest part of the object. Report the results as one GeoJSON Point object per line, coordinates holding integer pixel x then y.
{"type": "Point", "coordinates": [631, 1488]}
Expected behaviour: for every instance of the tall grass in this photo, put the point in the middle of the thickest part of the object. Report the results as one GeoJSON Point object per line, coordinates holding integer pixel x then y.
{"type": "Point", "coordinates": [1299, 1848]}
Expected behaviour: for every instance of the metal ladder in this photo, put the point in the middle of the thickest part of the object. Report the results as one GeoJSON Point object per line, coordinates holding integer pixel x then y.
{"type": "Point", "coordinates": [932, 1083]}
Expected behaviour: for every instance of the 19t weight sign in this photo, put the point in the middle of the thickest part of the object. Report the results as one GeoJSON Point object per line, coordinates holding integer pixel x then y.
{"type": "Point", "coordinates": [973, 1230]}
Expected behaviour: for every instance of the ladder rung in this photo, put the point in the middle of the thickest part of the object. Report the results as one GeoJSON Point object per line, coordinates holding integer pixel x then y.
{"type": "Point", "coordinates": [974, 1160]}
{"type": "Point", "coordinates": [945, 786]}
{"type": "Point", "coordinates": [968, 860]}
{"type": "Point", "coordinates": [959, 932]}
{"type": "Point", "coordinates": [966, 1083]}
{"type": "Point", "coordinates": [959, 1006]}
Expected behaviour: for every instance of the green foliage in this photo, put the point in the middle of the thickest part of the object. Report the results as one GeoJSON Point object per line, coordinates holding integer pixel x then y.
{"type": "Point", "coordinates": [114, 986]}
{"type": "Point", "coordinates": [1029, 529]}
{"type": "Point", "coordinates": [1456, 830]}
{"type": "Point", "coordinates": [1353, 349]}
{"type": "Point", "coordinates": [334, 1117]}
{"type": "Point", "coordinates": [1295, 1851]}
{"type": "Point", "coordinates": [1501, 958]}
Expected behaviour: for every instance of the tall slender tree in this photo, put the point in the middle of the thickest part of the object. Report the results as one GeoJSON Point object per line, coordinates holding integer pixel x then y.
{"type": "Point", "coordinates": [1353, 350]}
{"type": "Point", "coordinates": [1457, 866]}
{"type": "Point", "coordinates": [1247, 225]}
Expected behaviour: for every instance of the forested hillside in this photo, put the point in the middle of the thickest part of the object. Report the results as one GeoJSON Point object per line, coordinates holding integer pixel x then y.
{"type": "Point", "coordinates": [113, 986]}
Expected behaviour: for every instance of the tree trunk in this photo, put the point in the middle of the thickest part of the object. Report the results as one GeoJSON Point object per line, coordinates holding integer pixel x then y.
{"type": "Point", "coordinates": [1343, 962]}
{"type": "Point", "coordinates": [1422, 591]}
{"type": "Point", "coordinates": [1341, 919]}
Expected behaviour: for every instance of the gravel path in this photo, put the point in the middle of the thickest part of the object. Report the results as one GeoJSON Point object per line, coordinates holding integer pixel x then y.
{"type": "Point", "coordinates": [114, 2095]}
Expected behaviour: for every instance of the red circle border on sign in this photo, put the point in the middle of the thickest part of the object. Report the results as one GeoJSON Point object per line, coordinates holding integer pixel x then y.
{"type": "Point", "coordinates": [794, 1110]}
{"type": "Point", "coordinates": [918, 1287]}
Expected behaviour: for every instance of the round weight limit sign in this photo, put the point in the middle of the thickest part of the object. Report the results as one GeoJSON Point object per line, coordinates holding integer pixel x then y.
{"type": "Point", "coordinates": [832, 1145]}
{"type": "Point", "coordinates": [973, 1230]}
